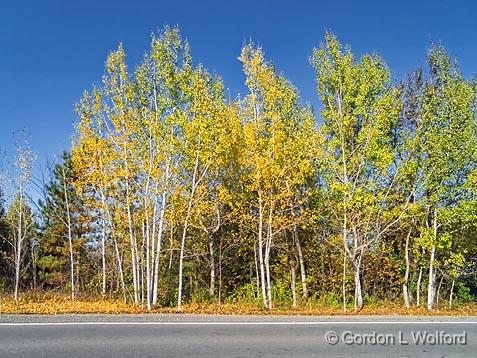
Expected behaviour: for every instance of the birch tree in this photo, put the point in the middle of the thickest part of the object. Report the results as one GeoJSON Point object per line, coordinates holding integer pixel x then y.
{"type": "Point", "coordinates": [19, 219]}
{"type": "Point", "coordinates": [446, 146]}
{"type": "Point", "coordinates": [278, 155]}
{"type": "Point", "coordinates": [360, 110]}
{"type": "Point", "coordinates": [204, 129]}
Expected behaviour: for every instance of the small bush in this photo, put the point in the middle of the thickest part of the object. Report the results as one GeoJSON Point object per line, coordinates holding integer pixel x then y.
{"type": "Point", "coordinates": [246, 293]}
{"type": "Point", "coordinates": [281, 294]}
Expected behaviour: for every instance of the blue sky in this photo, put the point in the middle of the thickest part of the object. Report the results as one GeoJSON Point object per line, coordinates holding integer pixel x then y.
{"type": "Point", "coordinates": [50, 51]}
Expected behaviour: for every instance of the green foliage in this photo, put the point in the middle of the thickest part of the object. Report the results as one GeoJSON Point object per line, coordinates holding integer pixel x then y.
{"type": "Point", "coordinates": [462, 293]}
{"type": "Point", "coordinates": [332, 299]}
{"type": "Point", "coordinates": [282, 294]}
{"type": "Point", "coordinates": [53, 255]}
{"type": "Point", "coordinates": [246, 293]}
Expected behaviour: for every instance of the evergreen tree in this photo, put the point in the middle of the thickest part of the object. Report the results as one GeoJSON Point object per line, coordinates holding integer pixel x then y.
{"type": "Point", "coordinates": [61, 229]}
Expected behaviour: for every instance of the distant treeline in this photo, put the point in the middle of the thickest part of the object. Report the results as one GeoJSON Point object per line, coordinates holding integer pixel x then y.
{"type": "Point", "coordinates": [174, 192]}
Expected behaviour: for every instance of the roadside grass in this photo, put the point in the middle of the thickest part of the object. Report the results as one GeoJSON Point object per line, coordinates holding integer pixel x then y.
{"type": "Point", "coordinates": [54, 303]}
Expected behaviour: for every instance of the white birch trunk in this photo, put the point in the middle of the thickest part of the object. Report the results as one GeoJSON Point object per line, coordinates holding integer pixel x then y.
{"type": "Point", "coordinates": [418, 288]}
{"type": "Point", "coordinates": [260, 251]}
{"type": "Point", "coordinates": [212, 268]}
{"type": "Point", "coordinates": [432, 275]}
{"type": "Point", "coordinates": [344, 282]}
{"type": "Point", "coordinates": [405, 286]}
{"type": "Point", "coordinates": [451, 293]}
{"type": "Point", "coordinates": [293, 285]}
{"type": "Point", "coordinates": [70, 239]}
{"type": "Point", "coordinates": [267, 257]}
{"type": "Point", "coordinates": [18, 249]}
{"type": "Point", "coordinates": [132, 238]}
{"type": "Point", "coordinates": [358, 294]}
{"type": "Point", "coordinates": [103, 259]}
{"type": "Point", "coordinates": [158, 249]}
{"type": "Point", "coordinates": [195, 182]}
{"type": "Point", "coordinates": [302, 264]}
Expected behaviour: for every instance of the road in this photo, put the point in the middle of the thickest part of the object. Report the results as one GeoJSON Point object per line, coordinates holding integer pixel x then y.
{"type": "Point", "coordinates": [167, 335]}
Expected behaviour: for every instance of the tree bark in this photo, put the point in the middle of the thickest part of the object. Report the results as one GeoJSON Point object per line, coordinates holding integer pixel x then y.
{"type": "Point", "coordinates": [158, 249]}
{"type": "Point", "coordinates": [358, 294]}
{"type": "Point", "coordinates": [257, 275]}
{"type": "Point", "coordinates": [220, 272]}
{"type": "Point", "coordinates": [134, 263]}
{"type": "Point", "coordinates": [418, 288]}
{"type": "Point", "coordinates": [212, 268]}
{"type": "Point", "coordinates": [147, 235]}
{"type": "Point", "coordinates": [120, 270]}
{"type": "Point", "coordinates": [405, 286]}
{"type": "Point", "coordinates": [181, 255]}
{"type": "Point", "coordinates": [33, 263]}
{"type": "Point", "coordinates": [70, 239]}
{"type": "Point", "coordinates": [432, 276]}
{"type": "Point", "coordinates": [103, 259]}
{"type": "Point", "coordinates": [268, 247]}
{"type": "Point", "coordinates": [301, 262]}
{"type": "Point", "coordinates": [18, 247]}
{"type": "Point", "coordinates": [439, 290]}
{"type": "Point", "coordinates": [451, 293]}
{"type": "Point", "coordinates": [293, 285]}
{"type": "Point", "coordinates": [119, 260]}
{"type": "Point", "coordinates": [260, 251]}
{"type": "Point", "coordinates": [132, 238]}
{"type": "Point", "coordinates": [195, 182]}
{"type": "Point", "coordinates": [344, 282]}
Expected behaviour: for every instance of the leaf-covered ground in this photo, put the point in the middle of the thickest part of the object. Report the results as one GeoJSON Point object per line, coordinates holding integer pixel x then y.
{"type": "Point", "coordinates": [58, 304]}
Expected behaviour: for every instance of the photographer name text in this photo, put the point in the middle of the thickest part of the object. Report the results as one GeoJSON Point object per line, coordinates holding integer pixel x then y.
{"type": "Point", "coordinates": [434, 338]}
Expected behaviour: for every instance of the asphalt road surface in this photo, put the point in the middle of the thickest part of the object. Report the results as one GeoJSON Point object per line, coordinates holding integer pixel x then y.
{"type": "Point", "coordinates": [163, 335]}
